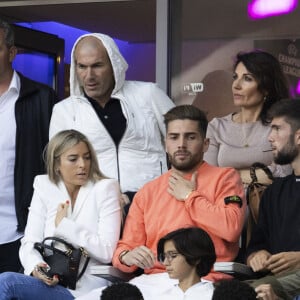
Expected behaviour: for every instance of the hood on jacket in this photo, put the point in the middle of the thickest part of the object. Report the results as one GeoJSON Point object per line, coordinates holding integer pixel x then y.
{"type": "Point", "coordinates": [119, 64]}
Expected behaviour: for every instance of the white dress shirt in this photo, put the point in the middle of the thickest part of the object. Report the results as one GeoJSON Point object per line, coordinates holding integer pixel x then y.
{"type": "Point", "coordinates": [160, 286]}
{"type": "Point", "coordinates": [202, 290]}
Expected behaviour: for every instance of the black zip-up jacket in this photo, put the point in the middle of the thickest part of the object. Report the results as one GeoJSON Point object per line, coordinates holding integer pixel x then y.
{"type": "Point", "coordinates": [33, 111]}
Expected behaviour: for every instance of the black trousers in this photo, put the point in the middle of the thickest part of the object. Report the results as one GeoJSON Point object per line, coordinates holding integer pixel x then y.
{"type": "Point", "coordinates": [9, 257]}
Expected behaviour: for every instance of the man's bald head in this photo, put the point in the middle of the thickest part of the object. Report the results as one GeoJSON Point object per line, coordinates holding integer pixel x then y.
{"type": "Point", "coordinates": [93, 69]}
{"type": "Point", "coordinates": [90, 43]}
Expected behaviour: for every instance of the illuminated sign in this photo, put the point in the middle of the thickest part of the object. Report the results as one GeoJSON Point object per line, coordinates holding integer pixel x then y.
{"type": "Point", "coordinates": [266, 8]}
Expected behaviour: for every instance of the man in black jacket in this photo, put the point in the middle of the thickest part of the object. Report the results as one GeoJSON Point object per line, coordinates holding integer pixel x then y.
{"type": "Point", "coordinates": [25, 112]}
{"type": "Point", "coordinates": [275, 242]}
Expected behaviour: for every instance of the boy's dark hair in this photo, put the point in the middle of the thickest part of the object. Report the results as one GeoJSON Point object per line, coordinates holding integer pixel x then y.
{"type": "Point", "coordinates": [195, 245]}
{"type": "Point", "coordinates": [121, 291]}
{"type": "Point", "coordinates": [190, 112]}
{"type": "Point", "coordinates": [268, 72]}
{"type": "Point", "coordinates": [289, 109]}
{"type": "Point", "coordinates": [233, 289]}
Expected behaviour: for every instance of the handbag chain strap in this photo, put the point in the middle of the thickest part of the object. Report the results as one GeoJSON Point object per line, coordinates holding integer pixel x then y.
{"type": "Point", "coordinates": [261, 166]}
{"type": "Point", "coordinates": [87, 259]}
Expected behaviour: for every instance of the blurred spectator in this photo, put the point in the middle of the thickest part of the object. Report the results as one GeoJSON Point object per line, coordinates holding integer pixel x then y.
{"type": "Point", "coordinates": [121, 291]}
{"type": "Point", "coordinates": [25, 112]}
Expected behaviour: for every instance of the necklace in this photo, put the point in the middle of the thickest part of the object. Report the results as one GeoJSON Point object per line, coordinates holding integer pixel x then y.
{"type": "Point", "coordinates": [246, 145]}
{"type": "Point", "coordinates": [245, 135]}
{"type": "Point", "coordinates": [244, 131]}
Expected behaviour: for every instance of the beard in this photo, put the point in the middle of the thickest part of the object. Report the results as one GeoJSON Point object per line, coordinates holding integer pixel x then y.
{"type": "Point", "coordinates": [188, 164]}
{"type": "Point", "coordinates": [287, 154]}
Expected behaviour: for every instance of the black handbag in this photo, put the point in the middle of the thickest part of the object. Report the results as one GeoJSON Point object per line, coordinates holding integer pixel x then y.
{"type": "Point", "coordinates": [63, 261]}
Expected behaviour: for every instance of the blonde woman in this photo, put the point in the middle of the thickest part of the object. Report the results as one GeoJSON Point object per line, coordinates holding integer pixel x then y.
{"type": "Point", "coordinates": [75, 202]}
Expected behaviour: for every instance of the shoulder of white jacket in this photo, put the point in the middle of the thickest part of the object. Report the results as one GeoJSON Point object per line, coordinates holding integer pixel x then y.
{"type": "Point", "coordinates": [106, 181]}
{"type": "Point", "coordinates": [73, 98]}
{"type": "Point", "coordinates": [40, 180]}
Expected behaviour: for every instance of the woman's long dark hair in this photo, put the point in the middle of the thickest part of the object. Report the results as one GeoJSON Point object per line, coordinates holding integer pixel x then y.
{"type": "Point", "coordinates": [267, 70]}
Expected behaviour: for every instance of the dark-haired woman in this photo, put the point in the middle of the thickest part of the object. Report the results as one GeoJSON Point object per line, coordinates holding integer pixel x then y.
{"type": "Point", "coordinates": [240, 139]}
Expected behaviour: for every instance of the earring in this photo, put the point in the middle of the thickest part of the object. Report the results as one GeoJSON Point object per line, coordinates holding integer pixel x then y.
{"type": "Point", "coordinates": [265, 98]}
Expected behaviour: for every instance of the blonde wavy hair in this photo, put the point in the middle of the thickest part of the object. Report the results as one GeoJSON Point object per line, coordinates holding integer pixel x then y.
{"type": "Point", "coordinates": [60, 143]}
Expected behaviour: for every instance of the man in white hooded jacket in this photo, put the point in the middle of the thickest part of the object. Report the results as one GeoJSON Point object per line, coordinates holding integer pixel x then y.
{"type": "Point", "coordinates": [122, 119]}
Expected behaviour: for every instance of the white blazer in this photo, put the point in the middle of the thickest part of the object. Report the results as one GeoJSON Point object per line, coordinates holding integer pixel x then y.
{"type": "Point", "coordinates": [93, 224]}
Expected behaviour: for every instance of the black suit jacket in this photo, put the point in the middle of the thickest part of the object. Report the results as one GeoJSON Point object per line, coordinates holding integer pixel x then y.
{"type": "Point", "coordinates": [33, 111]}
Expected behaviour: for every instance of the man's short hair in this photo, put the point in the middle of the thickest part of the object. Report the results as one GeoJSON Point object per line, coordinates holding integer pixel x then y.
{"type": "Point", "coordinates": [189, 112]}
{"type": "Point", "coordinates": [233, 289]}
{"type": "Point", "coordinates": [121, 291]}
{"type": "Point", "coordinates": [8, 33]}
{"type": "Point", "coordinates": [289, 109]}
